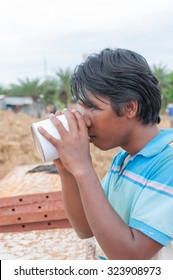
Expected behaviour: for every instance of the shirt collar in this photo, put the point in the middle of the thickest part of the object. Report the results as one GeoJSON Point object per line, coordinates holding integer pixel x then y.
{"type": "Point", "coordinates": [158, 143]}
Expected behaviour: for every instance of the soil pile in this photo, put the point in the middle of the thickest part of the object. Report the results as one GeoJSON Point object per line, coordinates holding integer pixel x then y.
{"type": "Point", "coordinates": [16, 143]}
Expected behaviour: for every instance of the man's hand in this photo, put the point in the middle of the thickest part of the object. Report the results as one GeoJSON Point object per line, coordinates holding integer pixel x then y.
{"type": "Point", "coordinates": [73, 147]}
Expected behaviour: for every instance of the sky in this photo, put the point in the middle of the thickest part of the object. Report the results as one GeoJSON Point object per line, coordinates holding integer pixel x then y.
{"type": "Point", "coordinates": [38, 37]}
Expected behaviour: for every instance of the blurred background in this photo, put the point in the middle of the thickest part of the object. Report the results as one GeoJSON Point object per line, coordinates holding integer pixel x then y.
{"type": "Point", "coordinates": [41, 42]}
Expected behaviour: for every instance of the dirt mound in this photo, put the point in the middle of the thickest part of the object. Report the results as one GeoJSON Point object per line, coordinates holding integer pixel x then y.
{"type": "Point", "coordinates": [16, 143]}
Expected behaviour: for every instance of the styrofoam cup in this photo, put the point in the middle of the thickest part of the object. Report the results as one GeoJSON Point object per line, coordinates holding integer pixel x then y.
{"type": "Point", "coordinates": [46, 150]}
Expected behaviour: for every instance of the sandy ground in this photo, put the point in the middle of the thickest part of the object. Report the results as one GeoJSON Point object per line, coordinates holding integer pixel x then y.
{"type": "Point", "coordinates": [17, 146]}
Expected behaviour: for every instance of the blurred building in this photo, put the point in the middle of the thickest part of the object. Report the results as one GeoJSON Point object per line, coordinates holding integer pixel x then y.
{"type": "Point", "coordinates": [23, 104]}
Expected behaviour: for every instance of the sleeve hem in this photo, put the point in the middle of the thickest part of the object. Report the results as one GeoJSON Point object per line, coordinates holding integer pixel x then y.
{"type": "Point", "coordinates": [150, 232]}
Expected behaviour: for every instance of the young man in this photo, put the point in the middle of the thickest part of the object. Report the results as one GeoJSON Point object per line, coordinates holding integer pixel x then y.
{"type": "Point", "coordinates": [130, 212]}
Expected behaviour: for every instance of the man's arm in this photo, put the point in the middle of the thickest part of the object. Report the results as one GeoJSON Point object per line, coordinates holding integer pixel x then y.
{"type": "Point", "coordinates": [115, 237]}
{"type": "Point", "coordinates": [72, 203]}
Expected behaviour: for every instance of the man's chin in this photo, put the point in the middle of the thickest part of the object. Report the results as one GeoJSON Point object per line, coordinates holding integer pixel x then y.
{"type": "Point", "coordinates": [99, 146]}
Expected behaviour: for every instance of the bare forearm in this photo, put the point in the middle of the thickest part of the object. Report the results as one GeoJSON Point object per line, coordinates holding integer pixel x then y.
{"type": "Point", "coordinates": [73, 205]}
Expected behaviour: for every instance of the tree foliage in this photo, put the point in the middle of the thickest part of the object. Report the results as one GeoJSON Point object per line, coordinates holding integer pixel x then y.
{"type": "Point", "coordinates": [169, 89]}
{"type": "Point", "coordinates": [56, 90]}
{"type": "Point", "coordinates": [49, 89]}
{"type": "Point", "coordinates": [26, 87]}
{"type": "Point", "coordinates": [64, 90]}
{"type": "Point", "coordinates": [53, 90]}
{"type": "Point", "coordinates": [165, 79]}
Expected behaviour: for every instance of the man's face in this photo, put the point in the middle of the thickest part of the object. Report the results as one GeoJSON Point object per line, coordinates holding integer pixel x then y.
{"type": "Point", "coordinates": [105, 129]}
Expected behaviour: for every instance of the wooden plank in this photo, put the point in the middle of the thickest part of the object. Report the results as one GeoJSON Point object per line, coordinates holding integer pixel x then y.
{"type": "Point", "coordinates": [30, 198]}
{"type": "Point", "coordinates": [36, 226]}
{"type": "Point", "coordinates": [35, 212]}
{"type": "Point", "coordinates": [32, 212]}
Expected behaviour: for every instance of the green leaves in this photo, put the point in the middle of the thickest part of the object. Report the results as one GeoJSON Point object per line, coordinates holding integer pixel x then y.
{"type": "Point", "coordinates": [51, 90]}
{"type": "Point", "coordinates": [165, 79]}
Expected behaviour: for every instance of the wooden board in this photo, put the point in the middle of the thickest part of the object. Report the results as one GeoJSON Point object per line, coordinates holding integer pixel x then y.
{"type": "Point", "coordinates": [31, 212]}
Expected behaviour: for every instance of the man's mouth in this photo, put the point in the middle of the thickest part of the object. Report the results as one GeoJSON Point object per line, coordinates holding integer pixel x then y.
{"type": "Point", "coordinates": [91, 138]}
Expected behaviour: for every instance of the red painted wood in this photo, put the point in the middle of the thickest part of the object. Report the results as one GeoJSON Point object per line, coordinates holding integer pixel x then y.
{"type": "Point", "coordinates": [30, 198]}
{"type": "Point", "coordinates": [36, 226]}
{"type": "Point", "coordinates": [32, 212]}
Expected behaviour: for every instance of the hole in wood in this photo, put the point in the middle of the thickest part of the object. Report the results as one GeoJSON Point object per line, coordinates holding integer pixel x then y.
{"type": "Point", "coordinates": [19, 218]}
{"type": "Point", "coordinates": [39, 207]}
{"type": "Point", "coordinates": [20, 199]}
{"type": "Point", "coordinates": [45, 216]}
{"type": "Point", "coordinates": [13, 209]}
{"type": "Point", "coordinates": [49, 224]}
{"type": "Point", "coordinates": [47, 196]}
{"type": "Point", "coordinates": [23, 226]}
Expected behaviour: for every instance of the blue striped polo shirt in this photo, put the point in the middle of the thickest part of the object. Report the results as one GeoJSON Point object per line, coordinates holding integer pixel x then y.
{"type": "Point", "coordinates": [141, 192]}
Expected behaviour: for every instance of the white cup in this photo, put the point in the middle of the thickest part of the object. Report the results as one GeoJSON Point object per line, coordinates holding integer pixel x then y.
{"type": "Point", "coordinates": [46, 150]}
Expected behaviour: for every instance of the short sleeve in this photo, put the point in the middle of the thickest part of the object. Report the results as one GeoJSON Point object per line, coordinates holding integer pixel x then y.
{"type": "Point", "coordinates": [152, 213]}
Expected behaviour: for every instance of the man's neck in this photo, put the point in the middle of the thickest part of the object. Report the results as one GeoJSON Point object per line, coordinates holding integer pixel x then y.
{"type": "Point", "coordinates": [140, 136]}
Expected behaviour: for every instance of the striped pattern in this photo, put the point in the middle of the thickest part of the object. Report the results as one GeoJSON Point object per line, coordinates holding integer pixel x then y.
{"type": "Point", "coordinates": [141, 191]}
{"type": "Point", "coordinates": [143, 182]}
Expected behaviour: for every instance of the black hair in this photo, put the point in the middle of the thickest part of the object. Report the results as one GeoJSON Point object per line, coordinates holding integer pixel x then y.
{"type": "Point", "coordinates": [121, 76]}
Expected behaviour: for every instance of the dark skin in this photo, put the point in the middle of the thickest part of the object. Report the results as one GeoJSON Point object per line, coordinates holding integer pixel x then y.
{"type": "Point", "coordinates": [87, 207]}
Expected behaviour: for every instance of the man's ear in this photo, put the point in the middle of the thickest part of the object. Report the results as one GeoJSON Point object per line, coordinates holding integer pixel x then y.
{"type": "Point", "coordinates": [131, 109]}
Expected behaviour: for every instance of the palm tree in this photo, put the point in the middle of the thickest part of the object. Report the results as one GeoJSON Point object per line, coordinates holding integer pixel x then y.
{"type": "Point", "coordinates": [64, 89]}
{"type": "Point", "coordinates": [169, 90]}
{"type": "Point", "coordinates": [31, 88]}
{"type": "Point", "coordinates": [49, 89]}
{"type": "Point", "coordinates": [3, 91]}
{"type": "Point", "coordinates": [161, 74]}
